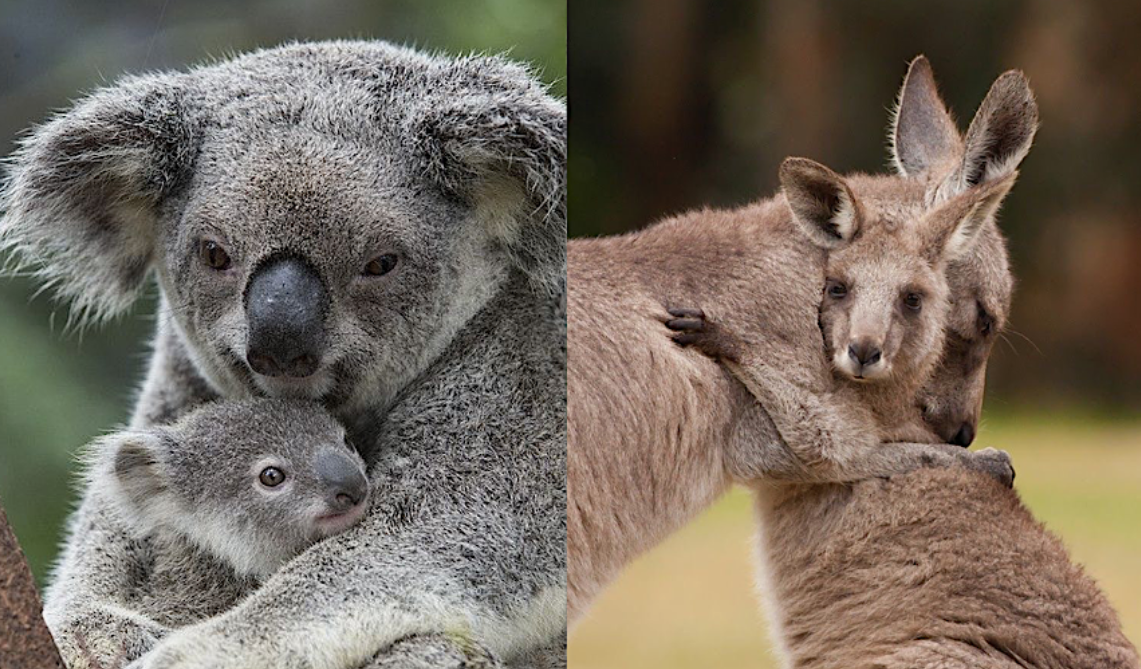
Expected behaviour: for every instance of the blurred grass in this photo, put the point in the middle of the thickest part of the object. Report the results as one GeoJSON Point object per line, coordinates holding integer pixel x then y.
{"type": "Point", "coordinates": [690, 602]}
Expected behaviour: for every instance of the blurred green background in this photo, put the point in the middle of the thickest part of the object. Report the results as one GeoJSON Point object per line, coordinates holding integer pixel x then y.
{"type": "Point", "coordinates": [59, 389]}
{"type": "Point", "coordinates": [683, 103]}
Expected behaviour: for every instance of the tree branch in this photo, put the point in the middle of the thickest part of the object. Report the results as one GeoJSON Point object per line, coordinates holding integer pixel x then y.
{"type": "Point", "coordinates": [25, 642]}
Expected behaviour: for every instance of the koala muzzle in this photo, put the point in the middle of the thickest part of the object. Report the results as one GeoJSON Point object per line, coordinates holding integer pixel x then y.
{"type": "Point", "coordinates": [286, 305]}
{"type": "Point", "coordinates": [344, 483]}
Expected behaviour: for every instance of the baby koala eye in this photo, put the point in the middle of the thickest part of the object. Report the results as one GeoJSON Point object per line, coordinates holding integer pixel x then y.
{"type": "Point", "coordinates": [835, 289]}
{"type": "Point", "coordinates": [271, 477]}
{"type": "Point", "coordinates": [913, 301]}
{"type": "Point", "coordinates": [213, 255]}
{"type": "Point", "coordinates": [380, 265]}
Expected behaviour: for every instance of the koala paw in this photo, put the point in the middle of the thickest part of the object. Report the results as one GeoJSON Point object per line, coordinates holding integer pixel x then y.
{"type": "Point", "coordinates": [693, 330]}
{"type": "Point", "coordinates": [994, 463]}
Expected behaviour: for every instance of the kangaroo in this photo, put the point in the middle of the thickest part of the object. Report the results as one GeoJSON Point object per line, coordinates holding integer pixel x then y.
{"type": "Point", "coordinates": [931, 568]}
{"type": "Point", "coordinates": [655, 433]}
{"type": "Point", "coordinates": [934, 568]}
{"type": "Point", "coordinates": [883, 315]}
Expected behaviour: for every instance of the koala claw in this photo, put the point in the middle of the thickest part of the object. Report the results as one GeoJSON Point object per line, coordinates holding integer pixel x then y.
{"type": "Point", "coordinates": [995, 463]}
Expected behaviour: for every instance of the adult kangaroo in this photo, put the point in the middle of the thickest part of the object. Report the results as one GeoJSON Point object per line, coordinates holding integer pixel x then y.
{"type": "Point", "coordinates": [655, 433]}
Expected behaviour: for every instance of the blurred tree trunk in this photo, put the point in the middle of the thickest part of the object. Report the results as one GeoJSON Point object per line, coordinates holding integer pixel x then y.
{"type": "Point", "coordinates": [661, 133]}
{"type": "Point", "coordinates": [25, 642]}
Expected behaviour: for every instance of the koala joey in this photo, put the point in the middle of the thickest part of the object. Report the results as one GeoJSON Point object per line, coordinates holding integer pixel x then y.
{"type": "Point", "coordinates": [252, 483]}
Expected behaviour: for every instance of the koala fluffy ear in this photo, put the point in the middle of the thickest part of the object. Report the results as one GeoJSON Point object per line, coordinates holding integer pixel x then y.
{"type": "Point", "coordinates": [81, 195]}
{"type": "Point", "coordinates": [504, 151]}
{"type": "Point", "coordinates": [821, 202]}
{"type": "Point", "coordinates": [128, 467]}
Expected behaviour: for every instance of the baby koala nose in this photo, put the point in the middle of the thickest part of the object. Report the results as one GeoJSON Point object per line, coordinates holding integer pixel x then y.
{"type": "Point", "coordinates": [344, 481]}
{"type": "Point", "coordinates": [964, 436]}
{"type": "Point", "coordinates": [864, 352]}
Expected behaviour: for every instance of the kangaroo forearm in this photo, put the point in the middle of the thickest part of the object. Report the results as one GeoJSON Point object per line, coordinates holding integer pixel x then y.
{"type": "Point", "coordinates": [893, 459]}
{"type": "Point", "coordinates": [816, 429]}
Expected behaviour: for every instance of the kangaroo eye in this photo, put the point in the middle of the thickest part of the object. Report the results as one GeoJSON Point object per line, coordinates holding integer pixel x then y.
{"type": "Point", "coordinates": [986, 322]}
{"type": "Point", "coordinates": [913, 301]}
{"type": "Point", "coordinates": [271, 477]}
{"type": "Point", "coordinates": [836, 289]}
{"type": "Point", "coordinates": [381, 265]}
{"type": "Point", "coordinates": [213, 255]}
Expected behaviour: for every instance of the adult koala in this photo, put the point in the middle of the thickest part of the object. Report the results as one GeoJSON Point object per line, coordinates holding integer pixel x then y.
{"type": "Point", "coordinates": [358, 223]}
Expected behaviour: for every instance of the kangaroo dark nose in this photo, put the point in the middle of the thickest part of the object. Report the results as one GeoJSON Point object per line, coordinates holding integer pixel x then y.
{"type": "Point", "coordinates": [864, 352]}
{"type": "Point", "coordinates": [964, 436]}
{"type": "Point", "coordinates": [286, 304]}
{"type": "Point", "coordinates": [344, 482]}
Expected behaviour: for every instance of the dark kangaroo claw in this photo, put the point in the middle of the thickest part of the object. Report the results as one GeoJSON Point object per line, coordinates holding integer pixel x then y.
{"type": "Point", "coordinates": [686, 324]}
{"type": "Point", "coordinates": [682, 312]}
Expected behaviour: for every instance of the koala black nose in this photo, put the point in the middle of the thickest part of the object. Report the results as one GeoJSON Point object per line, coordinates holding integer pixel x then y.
{"type": "Point", "coordinates": [864, 353]}
{"type": "Point", "coordinates": [964, 436]}
{"type": "Point", "coordinates": [286, 304]}
{"type": "Point", "coordinates": [344, 482]}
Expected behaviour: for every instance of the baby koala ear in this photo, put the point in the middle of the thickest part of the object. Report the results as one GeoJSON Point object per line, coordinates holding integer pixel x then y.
{"type": "Point", "coordinates": [953, 228]}
{"type": "Point", "coordinates": [501, 145]}
{"type": "Point", "coordinates": [128, 467]}
{"type": "Point", "coordinates": [821, 202]}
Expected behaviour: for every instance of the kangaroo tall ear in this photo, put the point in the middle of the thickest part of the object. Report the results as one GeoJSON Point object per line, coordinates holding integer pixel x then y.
{"type": "Point", "coordinates": [924, 135]}
{"type": "Point", "coordinates": [503, 149]}
{"type": "Point", "coordinates": [821, 202]}
{"type": "Point", "coordinates": [82, 192]}
{"type": "Point", "coordinates": [953, 228]}
{"type": "Point", "coordinates": [999, 137]}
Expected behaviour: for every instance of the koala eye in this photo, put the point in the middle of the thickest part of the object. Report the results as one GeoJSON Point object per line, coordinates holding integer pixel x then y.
{"type": "Point", "coordinates": [835, 289]}
{"type": "Point", "coordinates": [380, 265]}
{"type": "Point", "coordinates": [913, 301]}
{"type": "Point", "coordinates": [271, 477]}
{"type": "Point", "coordinates": [213, 255]}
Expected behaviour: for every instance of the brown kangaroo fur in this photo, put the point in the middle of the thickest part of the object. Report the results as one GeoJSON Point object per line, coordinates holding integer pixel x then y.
{"type": "Point", "coordinates": [655, 434]}
{"type": "Point", "coordinates": [933, 568]}
{"type": "Point", "coordinates": [937, 568]}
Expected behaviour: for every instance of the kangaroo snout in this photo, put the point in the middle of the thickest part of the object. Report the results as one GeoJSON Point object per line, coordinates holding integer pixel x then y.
{"type": "Point", "coordinates": [863, 359]}
{"type": "Point", "coordinates": [964, 435]}
{"type": "Point", "coordinates": [865, 353]}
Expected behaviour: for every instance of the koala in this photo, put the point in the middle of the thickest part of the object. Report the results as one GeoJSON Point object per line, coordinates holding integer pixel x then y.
{"type": "Point", "coordinates": [218, 501]}
{"type": "Point", "coordinates": [366, 226]}
{"type": "Point", "coordinates": [253, 483]}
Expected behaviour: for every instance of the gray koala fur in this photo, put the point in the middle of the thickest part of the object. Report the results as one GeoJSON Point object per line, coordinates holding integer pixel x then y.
{"type": "Point", "coordinates": [449, 370]}
{"type": "Point", "coordinates": [200, 479]}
